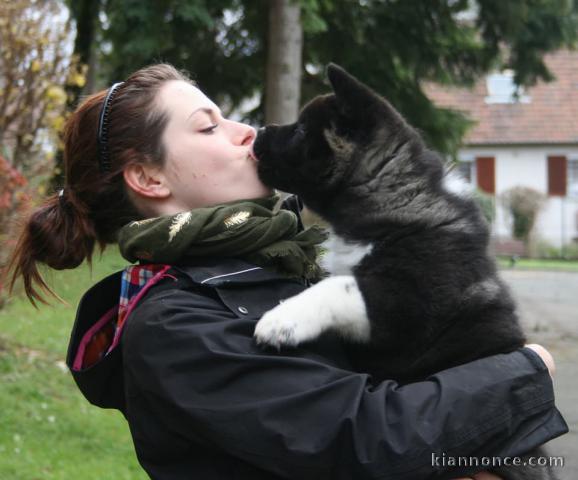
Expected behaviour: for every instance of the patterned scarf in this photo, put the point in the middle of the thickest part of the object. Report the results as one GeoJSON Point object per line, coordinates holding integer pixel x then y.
{"type": "Point", "coordinates": [253, 230]}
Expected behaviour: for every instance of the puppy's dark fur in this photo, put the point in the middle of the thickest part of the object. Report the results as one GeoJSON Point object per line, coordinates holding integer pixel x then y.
{"type": "Point", "coordinates": [432, 293]}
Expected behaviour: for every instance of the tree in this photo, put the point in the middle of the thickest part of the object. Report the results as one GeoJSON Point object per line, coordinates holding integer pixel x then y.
{"type": "Point", "coordinates": [86, 16]}
{"type": "Point", "coordinates": [285, 43]}
{"type": "Point", "coordinates": [396, 46]}
{"type": "Point", "coordinates": [33, 67]}
{"type": "Point", "coordinates": [208, 38]}
{"type": "Point", "coordinates": [392, 45]}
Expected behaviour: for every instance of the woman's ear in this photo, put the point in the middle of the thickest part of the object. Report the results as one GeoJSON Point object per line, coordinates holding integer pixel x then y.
{"type": "Point", "coordinates": [146, 181]}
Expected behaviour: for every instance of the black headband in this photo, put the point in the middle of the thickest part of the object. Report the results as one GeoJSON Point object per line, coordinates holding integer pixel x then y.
{"type": "Point", "coordinates": [102, 139]}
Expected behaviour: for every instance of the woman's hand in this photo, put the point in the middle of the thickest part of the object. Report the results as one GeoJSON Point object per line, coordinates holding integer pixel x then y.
{"type": "Point", "coordinates": [545, 356]}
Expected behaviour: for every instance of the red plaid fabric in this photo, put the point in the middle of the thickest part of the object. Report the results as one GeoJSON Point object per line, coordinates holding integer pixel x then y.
{"type": "Point", "coordinates": [136, 280]}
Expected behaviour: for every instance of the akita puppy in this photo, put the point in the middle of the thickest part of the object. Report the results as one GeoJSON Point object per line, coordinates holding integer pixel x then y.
{"type": "Point", "coordinates": [418, 292]}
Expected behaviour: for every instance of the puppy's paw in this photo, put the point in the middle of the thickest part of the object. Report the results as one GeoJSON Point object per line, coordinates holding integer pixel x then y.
{"type": "Point", "coordinates": [285, 325]}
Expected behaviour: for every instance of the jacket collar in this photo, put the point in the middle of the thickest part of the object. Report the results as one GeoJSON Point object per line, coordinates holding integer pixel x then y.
{"type": "Point", "coordinates": [224, 271]}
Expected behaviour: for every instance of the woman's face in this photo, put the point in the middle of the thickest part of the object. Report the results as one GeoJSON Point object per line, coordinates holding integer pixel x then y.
{"type": "Point", "coordinates": [207, 156]}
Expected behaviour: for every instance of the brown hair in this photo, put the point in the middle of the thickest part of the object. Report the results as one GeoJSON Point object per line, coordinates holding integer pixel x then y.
{"type": "Point", "coordinates": [63, 231]}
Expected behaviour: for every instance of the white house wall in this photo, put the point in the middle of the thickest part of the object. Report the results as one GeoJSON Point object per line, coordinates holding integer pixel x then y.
{"type": "Point", "coordinates": [528, 166]}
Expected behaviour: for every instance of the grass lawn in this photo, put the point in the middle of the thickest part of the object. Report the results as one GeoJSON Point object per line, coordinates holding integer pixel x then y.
{"type": "Point", "coordinates": [48, 430]}
{"type": "Point", "coordinates": [540, 264]}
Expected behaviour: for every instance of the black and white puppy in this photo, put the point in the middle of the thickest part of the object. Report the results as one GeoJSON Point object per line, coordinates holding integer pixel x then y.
{"type": "Point", "coordinates": [417, 293]}
{"type": "Point", "coordinates": [421, 293]}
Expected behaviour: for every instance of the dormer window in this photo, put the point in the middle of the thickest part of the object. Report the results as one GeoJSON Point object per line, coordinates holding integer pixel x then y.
{"type": "Point", "coordinates": [502, 89]}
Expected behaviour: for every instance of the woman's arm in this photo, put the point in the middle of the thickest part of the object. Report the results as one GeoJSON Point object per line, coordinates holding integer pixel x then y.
{"type": "Point", "coordinates": [293, 414]}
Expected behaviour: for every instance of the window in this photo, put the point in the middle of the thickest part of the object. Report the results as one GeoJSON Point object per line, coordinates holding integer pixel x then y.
{"type": "Point", "coordinates": [502, 89]}
{"type": "Point", "coordinates": [572, 177]}
{"type": "Point", "coordinates": [466, 169]}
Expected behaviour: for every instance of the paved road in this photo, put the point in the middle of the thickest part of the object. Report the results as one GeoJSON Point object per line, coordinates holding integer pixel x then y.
{"type": "Point", "coordinates": [548, 306]}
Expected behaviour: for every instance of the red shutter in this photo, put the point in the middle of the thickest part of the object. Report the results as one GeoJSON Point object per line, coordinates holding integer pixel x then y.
{"type": "Point", "coordinates": [486, 174]}
{"type": "Point", "coordinates": [557, 168]}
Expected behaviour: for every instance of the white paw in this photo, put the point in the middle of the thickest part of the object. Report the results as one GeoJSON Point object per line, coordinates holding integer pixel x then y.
{"type": "Point", "coordinates": [333, 304]}
{"type": "Point", "coordinates": [286, 325]}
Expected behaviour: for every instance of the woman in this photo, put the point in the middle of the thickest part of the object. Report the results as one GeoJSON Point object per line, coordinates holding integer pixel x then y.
{"type": "Point", "coordinates": [152, 164]}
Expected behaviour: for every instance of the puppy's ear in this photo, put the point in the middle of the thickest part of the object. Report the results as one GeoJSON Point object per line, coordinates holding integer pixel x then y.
{"type": "Point", "coordinates": [340, 80]}
{"type": "Point", "coordinates": [349, 90]}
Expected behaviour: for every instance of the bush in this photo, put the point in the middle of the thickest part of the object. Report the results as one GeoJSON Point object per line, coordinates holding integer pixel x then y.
{"type": "Point", "coordinates": [487, 205]}
{"type": "Point", "coordinates": [523, 204]}
{"type": "Point", "coordinates": [547, 250]}
{"type": "Point", "coordinates": [13, 201]}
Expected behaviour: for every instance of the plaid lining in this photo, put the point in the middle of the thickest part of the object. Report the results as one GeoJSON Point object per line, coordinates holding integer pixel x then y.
{"type": "Point", "coordinates": [134, 279]}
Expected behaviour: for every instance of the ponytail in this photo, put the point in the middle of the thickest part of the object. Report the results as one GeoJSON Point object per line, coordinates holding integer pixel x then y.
{"type": "Point", "coordinates": [58, 234]}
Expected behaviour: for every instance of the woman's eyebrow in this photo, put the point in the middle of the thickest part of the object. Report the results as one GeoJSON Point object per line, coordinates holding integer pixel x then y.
{"type": "Point", "coordinates": [207, 110]}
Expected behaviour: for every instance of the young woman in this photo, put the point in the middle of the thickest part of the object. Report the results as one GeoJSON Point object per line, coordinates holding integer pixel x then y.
{"type": "Point", "coordinates": [152, 165]}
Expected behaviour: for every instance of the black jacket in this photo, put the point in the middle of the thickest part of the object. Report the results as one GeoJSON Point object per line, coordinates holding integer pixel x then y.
{"type": "Point", "coordinates": [204, 402]}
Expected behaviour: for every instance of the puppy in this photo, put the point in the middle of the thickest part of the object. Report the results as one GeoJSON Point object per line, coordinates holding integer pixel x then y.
{"type": "Point", "coordinates": [417, 293]}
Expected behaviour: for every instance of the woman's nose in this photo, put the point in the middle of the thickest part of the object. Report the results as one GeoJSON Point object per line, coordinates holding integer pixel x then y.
{"type": "Point", "coordinates": [246, 134]}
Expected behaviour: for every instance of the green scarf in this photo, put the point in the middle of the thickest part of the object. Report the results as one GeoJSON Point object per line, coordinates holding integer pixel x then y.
{"type": "Point", "coordinates": [253, 230]}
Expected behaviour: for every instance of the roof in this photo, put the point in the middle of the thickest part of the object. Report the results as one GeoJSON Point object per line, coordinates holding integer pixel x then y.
{"type": "Point", "coordinates": [550, 117]}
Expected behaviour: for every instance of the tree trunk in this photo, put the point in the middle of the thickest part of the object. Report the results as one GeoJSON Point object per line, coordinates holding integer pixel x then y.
{"type": "Point", "coordinates": [285, 44]}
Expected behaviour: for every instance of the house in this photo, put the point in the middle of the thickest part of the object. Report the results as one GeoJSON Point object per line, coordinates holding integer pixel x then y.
{"type": "Point", "coordinates": [529, 139]}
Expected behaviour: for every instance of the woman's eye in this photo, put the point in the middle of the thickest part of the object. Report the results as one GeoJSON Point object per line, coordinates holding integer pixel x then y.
{"type": "Point", "coordinates": [209, 129]}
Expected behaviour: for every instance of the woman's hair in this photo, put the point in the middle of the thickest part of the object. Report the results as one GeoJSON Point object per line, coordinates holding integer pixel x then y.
{"type": "Point", "coordinates": [93, 206]}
